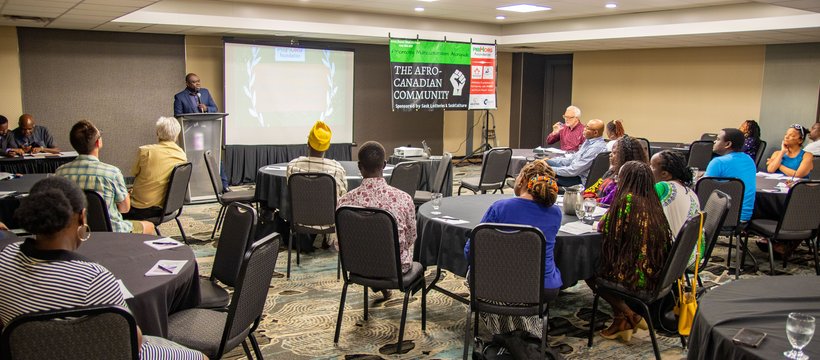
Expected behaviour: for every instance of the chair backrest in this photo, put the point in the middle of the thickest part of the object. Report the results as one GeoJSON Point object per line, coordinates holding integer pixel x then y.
{"type": "Point", "coordinates": [598, 168]}
{"type": "Point", "coordinates": [441, 173]}
{"type": "Point", "coordinates": [97, 212]}
{"type": "Point", "coordinates": [251, 291]}
{"type": "Point", "coordinates": [506, 264]}
{"type": "Point", "coordinates": [681, 250]}
{"type": "Point", "coordinates": [708, 136]}
{"type": "Point", "coordinates": [312, 199]}
{"type": "Point", "coordinates": [733, 187]}
{"type": "Point", "coordinates": [369, 244]}
{"type": "Point", "coordinates": [494, 167]}
{"type": "Point", "coordinates": [801, 207]}
{"type": "Point", "coordinates": [406, 177]}
{"type": "Point", "coordinates": [95, 332]}
{"type": "Point", "coordinates": [717, 206]}
{"type": "Point", "coordinates": [238, 229]}
{"type": "Point", "coordinates": [177, 187]}
{"type": "Point", "coordinates": [646, 146]}
{"type": "Point", "coordinates": [760, 150]}
{"type": "Point", "coordinates": [213, 172]}
{"type": "Point", "coordinates": [815, 171]}
{"type": "Point", "coordinates": [700, 154]}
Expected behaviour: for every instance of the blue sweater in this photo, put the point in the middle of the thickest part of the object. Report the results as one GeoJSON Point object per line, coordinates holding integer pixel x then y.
{"type": "Point", "coordinates": [527, 212]}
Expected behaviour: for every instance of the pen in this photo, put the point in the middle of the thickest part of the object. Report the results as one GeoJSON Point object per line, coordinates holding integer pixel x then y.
{"type": "Point", "coordinates": [168, 269]}
{"type": "Point", "coordinates": [164, 243]}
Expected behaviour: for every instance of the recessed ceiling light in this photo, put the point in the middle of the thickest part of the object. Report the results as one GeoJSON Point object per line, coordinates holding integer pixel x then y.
{"type": "Point", "coordinates": [524, 8]}
{"type": "Point", "coordinates": [611, 5]}
{"type": "Point", "coordinates": [500, 17]}
{"type": "Point", "coordinates": [419, 9]}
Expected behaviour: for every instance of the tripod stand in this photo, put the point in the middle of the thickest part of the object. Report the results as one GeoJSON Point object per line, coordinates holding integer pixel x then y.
{"type": "Point", "coordinates": [485, 137]}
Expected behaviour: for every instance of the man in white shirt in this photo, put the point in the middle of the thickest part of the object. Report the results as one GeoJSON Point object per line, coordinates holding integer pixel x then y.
{"type": "Point", "coordinates": [814, 135]}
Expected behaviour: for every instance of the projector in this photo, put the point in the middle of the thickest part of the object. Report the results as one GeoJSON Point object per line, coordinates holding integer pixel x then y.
{"type": "Point", "coordinates": [405, 151]}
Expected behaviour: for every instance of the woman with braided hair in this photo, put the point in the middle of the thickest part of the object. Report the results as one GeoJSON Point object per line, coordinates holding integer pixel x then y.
{"type": "Point", "coordinates": [626, 149]}
{"type": "Point", "coordinates": [614, 131]}
{"type": "Point", "coordinates": [536, 191]}
{"type": "Point", "coordinates": [751, 136]}
{"type": "Point", "coordinates": [636, 243]}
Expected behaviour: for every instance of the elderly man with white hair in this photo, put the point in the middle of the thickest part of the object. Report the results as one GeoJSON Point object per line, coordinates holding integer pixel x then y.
{"type": "Point", "coordinates": [570, 132]}
{"type": "Point", "coordinates": [152, 170]}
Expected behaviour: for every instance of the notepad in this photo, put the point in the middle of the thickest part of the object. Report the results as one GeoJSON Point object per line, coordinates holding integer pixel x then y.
{"type": "Point", "coordinates": [281, 168]}
{"type": "Point", "coordinates": [163, 243]}
{"type": "Point", "coordinates": [451, 220]}
{"type": "Point", "coordinates": [166, 267]}
{"type": "Point", "coordinates": [576, 228]}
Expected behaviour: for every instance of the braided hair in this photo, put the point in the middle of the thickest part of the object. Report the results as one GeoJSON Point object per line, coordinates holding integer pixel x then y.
{"type": "Point", "coordinates": [675, 164]}
{"type": "Point", "coordinates": [637, 238]}
{"type": "Point", "coordinates": [628, 149]}
{"type": "Point", "coordinates": [751, 129]}
{"type": "Point", "coordinates": [539, 181]}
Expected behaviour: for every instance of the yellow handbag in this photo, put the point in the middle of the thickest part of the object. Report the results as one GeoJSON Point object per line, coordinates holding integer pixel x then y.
{"type": "Point", "coordinates": [688, 304]}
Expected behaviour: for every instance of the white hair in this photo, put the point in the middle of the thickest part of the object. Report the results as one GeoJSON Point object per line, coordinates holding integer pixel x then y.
{"type": "Point", "coordinates": [575, 109]}
{"type": "Point", "coordinates": [167, 129]}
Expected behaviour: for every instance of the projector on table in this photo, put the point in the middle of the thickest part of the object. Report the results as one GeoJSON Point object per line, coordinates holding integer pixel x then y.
{"type": "Point", "coordinates": [405, 151]}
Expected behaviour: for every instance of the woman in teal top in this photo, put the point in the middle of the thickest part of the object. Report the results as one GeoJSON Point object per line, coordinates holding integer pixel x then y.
{"type": "Point", "coordinates": [791, 159]}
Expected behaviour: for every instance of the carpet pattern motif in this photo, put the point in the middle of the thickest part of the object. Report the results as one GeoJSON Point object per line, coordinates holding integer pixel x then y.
{"type": "Point", "coordinates": [300, 315]}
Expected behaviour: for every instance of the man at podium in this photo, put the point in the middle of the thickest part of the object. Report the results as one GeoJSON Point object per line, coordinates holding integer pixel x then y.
{"type": "Point", "coordinates": [194, 99]}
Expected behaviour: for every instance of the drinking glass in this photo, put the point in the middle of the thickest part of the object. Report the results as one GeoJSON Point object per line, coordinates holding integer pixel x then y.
{"type": "Point", "coordinates": [579, 209]}
{"type": "Point", "coordinates": [436, 199]}
{"type": "Point", "coordinates": [799, 330]}
{"type": "Point", "coordinates": [694, 174]}
{"type": "Point", "coordinates": [589, 208]}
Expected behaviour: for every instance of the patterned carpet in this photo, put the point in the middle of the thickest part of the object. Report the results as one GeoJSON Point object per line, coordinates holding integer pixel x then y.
{"type": "Point", "coordinates": [300, 314]}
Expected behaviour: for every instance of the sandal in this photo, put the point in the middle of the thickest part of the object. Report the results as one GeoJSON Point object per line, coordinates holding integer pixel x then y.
{"type": "Point", "coordinates": [621, 327]}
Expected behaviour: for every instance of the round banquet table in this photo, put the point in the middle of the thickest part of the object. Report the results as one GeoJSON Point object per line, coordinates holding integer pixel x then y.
{"type": "Point", "coordinates": [128, 259]}
{"type": "Point", "coordinates": [770, 201]}
{"type": "Point", "coordinates": [429, 168]}
{"type": "Point", "coordinates": [20, 186]}
{"type": "Point", "coordinates": [272, 185]}
{"type": "Point", "coordinates": [442, 244]}
{"type": "Point", "coordinates": [760, 304]}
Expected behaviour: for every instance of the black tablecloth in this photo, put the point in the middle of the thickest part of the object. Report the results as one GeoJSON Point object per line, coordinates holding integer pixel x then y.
{"type": "Point", "coordinates": [34, 164]}
{"type": "Point", "coordinates": [428, 172]}
{"type": "Point", "coordinates": [768, 204]}
{"type": "Point", "coordinates": [128, 258]}
{"type": "Point", "coordinates": [272, 186]}
{"type": "Point", "coordinates": [10, 203]}
{"type": "Point", "coordinates": [242, 161]}
{"type": "Point", "coordinates": [760, 304]}
{"type": "Point", "coordinates": [521, 157]}
{"type": "Point", "coordinates": [441, 243]}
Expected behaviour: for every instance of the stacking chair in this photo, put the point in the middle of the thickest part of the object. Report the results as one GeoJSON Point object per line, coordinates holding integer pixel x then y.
{"type": "Point", "coordinates": [599, 167]}
{"type": "Point", "coordinates": [815, 171]}
{"type": "Point", "coordinates": [406, 177]}
{"type": "Point", "coordinates": [799, 221]}
{"type": "Point", "coordinates": [214, 332]}
{"type": "Point", "coordinates": [507, 267]}
{"type": "Point", "coordinates": [708, 136]}
{"type": "Point", "coordinates": [672, 271]}
{"type": "Point", "coordinates": [174, 197]}
{"type": "Point", "coordinates": [731, 226]}
{"type": "Point", "coordinates": [245, 196]}
{"type": "Point", "coordinates": [700, 154]}
{"type": "Point", "coordinates": [760, 150]}
{"type": "Point", "coordinates": [97, 212]}
{"type": "Point", "coordinates": [438, 185]}
{"type": "Point", "coordinates": [94, 332]}
{"type": "Point", "coordinates": [717, 206]}
{"type": "Point", "coordinates": [236, 236]}
{"type": "Point", "coordinates": [493, 172]}
{"type": "Point", "coordinates": [312, 198]}
{"type": "Point", "coordinates": [369, 250]}
{"type": "Point", "coordinates": [646, 146]}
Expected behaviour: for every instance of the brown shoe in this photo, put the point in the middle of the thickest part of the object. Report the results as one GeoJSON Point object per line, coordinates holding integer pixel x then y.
{"type": "Point", "coordinates": [620, 328]}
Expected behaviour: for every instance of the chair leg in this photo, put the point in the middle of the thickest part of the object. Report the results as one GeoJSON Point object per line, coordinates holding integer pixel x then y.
{"type": "Point", "coordinates": [729, 254]}
{"type": "Point", "coordinates": [247, 350]}
{"type": "Point", "coordinates": [592, 320]}
{"type": "Point", "coordinates": [741, 255]}
{"type": "Point", "coordinates": [338, 267]}
{"type": "Point", "coordinates": [156, 228]}
{"type": "Point", "coordinates": [256, 349]}
{"type": "Point", "coordinates": [545, 330]}
{"type": "Point", "coordinates": [424, 304]}
{"type": "Point", "coordinates": [648, 318]}
{"type": "Point", "coordinates": [771, 257]}
{"type": "Point", "coordinates": [459, 190]}
{"type": "Point", "coordinates": [814, 251]}
{"type": "Point", "coordinates": [403, 322]}
{"type": "Point", "coordinates": [298, 249]}
{"type": "Point", "coordinates": [365, 303]}
{"type": "Point", "coordinates": [475, 328]}
{"type": "Point", "coordinates": [181, 231]}
{"type": "Point", "coordinates": [218, 217]}
{"type": "Point", "coordinates": [290, 248]}
{"type": "Point", "coordinates": [467, 334]}
{"type": "Point", "coordinates": [341, 311]}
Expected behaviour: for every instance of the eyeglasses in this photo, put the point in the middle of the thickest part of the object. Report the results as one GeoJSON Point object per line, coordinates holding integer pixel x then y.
{"type": "Point", "coordinates": [569, 117]}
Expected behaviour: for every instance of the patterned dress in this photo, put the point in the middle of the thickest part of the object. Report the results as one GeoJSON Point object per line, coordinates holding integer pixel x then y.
{"type": "Point", "coordinates": [679, 204]}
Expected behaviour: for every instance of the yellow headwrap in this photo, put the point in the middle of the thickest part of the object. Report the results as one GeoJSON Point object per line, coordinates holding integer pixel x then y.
{"type": "Point", "coordinates": [319, 137]}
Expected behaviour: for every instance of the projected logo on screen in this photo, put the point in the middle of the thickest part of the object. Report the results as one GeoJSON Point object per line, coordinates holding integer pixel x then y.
{"type": "Point", "coordinates": [290, 54]}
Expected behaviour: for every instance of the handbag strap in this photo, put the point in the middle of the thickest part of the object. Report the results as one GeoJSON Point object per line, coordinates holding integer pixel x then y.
{"type": "Point", "coordinates": [697, 255]}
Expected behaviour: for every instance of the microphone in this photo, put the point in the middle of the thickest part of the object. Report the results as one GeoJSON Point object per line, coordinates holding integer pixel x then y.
{"type": "Point", "coordinates": [199, 100]}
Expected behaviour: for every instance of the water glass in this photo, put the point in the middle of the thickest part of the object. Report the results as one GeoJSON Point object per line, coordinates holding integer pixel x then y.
{"type": "Point", "coordinates": [435, 198]}
{"type": "Point", "coordinates": [694, 174]}
{"type": "Point", "coordinates": [579, 210]}
{"type": "Point", "coordinates": [799, 330]}
{"type": "Point", "coordinates": [589, 208]}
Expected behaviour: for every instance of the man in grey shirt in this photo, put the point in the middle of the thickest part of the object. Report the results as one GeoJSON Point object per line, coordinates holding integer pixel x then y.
{"type": "Point", "coordinates": [573, 169]}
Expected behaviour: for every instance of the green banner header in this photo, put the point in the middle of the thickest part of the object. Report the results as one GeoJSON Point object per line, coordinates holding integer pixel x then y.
{"type": "Point", "coordinates": [429, 52]}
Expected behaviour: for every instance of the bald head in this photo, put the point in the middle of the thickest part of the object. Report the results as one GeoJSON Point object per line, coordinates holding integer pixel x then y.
{"type": "Point", "coordinates": [594, 128]}
{"type": "Point", "coordinates": [25, 119]}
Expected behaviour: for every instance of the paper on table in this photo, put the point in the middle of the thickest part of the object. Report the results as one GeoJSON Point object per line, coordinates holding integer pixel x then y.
{"type": "Point", "coordinates": [163, 243]}
{"type": "Point", "coordinates": [450, 220]}
{"type": "Point", "coordinates": [6, 193]}
{"type": "Point", "coordinates": [599, 211]}
{"type": "Point", "coordinates": [554, 150]}
{"type": "Point", "coordinates": [576, 228]}
{"type": "Point", "coordinates": [124, 290]}
{"type": "Point", "coordinates": [69, 153]}
{"type": "Point", "coordinates": [171, 267]}
{"type": "Point", "coordinates": [276, 168]}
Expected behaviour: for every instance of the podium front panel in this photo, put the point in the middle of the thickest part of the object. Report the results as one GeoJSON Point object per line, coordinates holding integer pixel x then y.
{"type": "Point", "coordinates": [198, 136]}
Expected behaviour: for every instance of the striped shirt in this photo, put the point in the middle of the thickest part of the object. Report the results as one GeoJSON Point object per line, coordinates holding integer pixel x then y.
{"type": "Point", "coordinates": [92, 174]}
{"type": "Point", "coordinates": [33, 280]}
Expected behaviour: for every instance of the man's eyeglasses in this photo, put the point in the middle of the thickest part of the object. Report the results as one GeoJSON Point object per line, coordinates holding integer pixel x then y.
{"type": "Point", "coordinates": [569, 117]}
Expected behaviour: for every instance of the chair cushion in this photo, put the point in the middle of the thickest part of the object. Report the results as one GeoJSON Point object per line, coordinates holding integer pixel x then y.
{"type": "Point", "coordinates": [238, 196]}
{"type": "Point", "coordinates": [767, 228]}
{"type": "Point", "coordinates": [416, 271]}
{"type": "Point", "coordinates": [422, 197]}
{"type": "Point", "coordinates": [198, 329]}
{"type": "Point", "coordinates": [211, 295]}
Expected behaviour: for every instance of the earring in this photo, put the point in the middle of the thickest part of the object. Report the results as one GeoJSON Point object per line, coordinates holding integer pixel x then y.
{"type": "Point", "coordinates": [84, 232]}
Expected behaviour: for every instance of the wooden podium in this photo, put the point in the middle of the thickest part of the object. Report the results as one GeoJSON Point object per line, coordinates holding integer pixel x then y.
{"type": "Point", "coordinates": [201, 132]}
